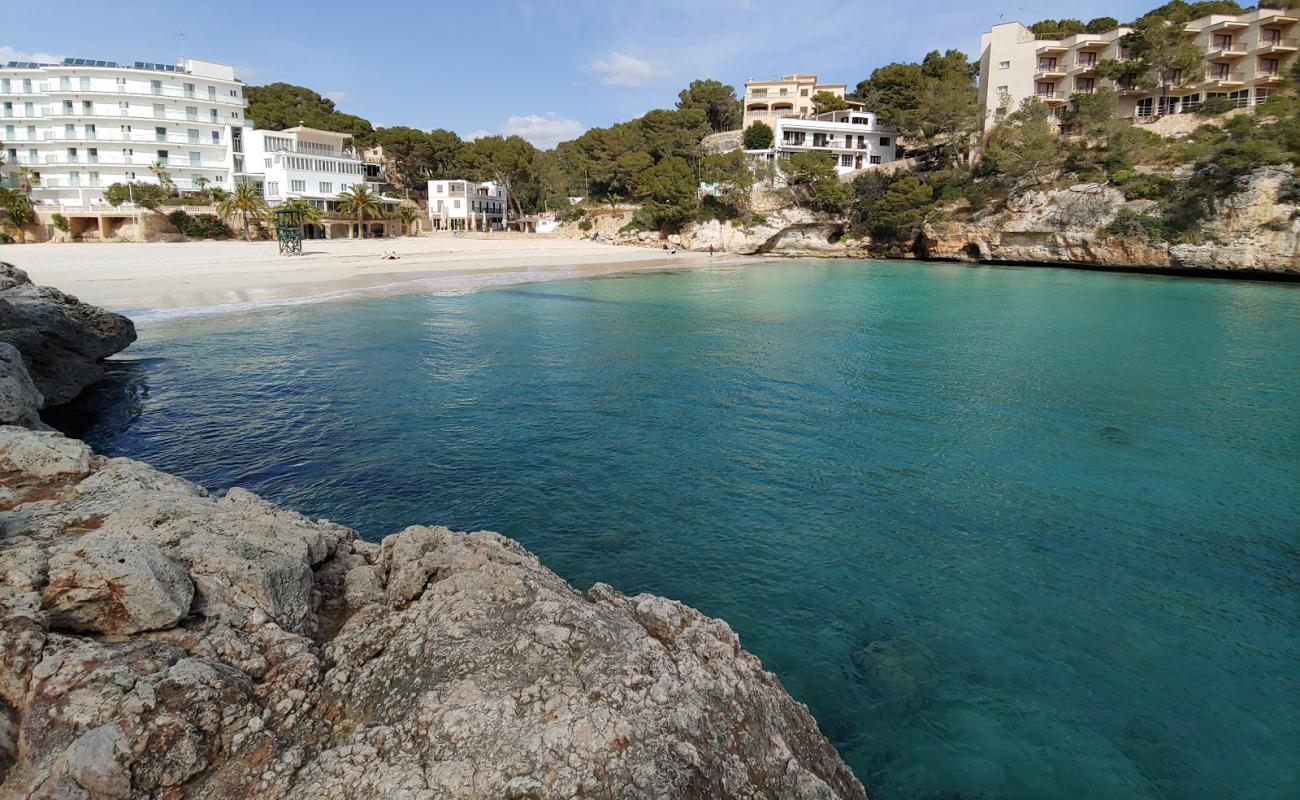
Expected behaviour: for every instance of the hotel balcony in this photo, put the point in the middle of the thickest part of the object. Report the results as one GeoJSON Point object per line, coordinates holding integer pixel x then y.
{"type": "Point", "coordinates": [1283, 45]}
{"type": "Point", "coordinates": [1053, 98]}
{"type": "Point", "coordinates": [1049, 49]}
{"type": "Point", "coordinates": [1224, 80]}
{"type": "Point", "coordinates": [1233, 50]}
{"type": "Point", "coordinates": [196, 97]}
{"type": "Point", "coordinates": [1273, 77]}
{"type": "Point", "coordinates": [1049, 72]}
{"type": "Point", "coordinates": [1083, 66]}
{"type": "Point", "coordinates": [1226, 25]}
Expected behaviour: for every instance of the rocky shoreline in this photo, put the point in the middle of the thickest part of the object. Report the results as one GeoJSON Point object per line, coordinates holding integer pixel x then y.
{"type": "Point", "coordinates": [157, 641]}
{"type": "Point", "coordinates": [1254, 233]}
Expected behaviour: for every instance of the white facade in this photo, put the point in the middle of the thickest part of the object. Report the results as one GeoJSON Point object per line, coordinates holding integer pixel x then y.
{"type": "Point", "coordinates": [467, 205]}
{"type": "Point", "coordinates": [83, 125]}
{"type": "Point", "coordinates": [301, 162]}
{"type": "Point", "coordinates": [856, 139]}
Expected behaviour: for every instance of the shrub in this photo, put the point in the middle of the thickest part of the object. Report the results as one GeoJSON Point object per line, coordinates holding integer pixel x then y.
{"type": "Point", "coordinates": [6, 238]}
{"type": "Point", "coordinates": [586, 225]}
{"type": "Point", "coordinates": [201, 226]}
{"type": "Point", "coordinates": [1216, 106]}
{"type": "Point", "coordinates": [1134, 225]}
{"type": "Point", "coordinates": [61, 222]}
{"type": "Point", "coordinates": [146, 195]}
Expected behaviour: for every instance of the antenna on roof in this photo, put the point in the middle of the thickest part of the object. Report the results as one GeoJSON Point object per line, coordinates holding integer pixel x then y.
{"type": "Point", "coordinates": [181, 36]}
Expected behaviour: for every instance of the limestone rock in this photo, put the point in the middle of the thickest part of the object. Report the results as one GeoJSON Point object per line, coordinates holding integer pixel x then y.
{"type": "Point", "coordinates": [20, 400]}
{"type": "Point", "coordinates": [61, 339]}
{"type": "Point", "coordinates": [1254, 229]}
{"type": "Point", "coordinates": [312, 665]}
{"type": "Point", "coordinates": [115, 586]}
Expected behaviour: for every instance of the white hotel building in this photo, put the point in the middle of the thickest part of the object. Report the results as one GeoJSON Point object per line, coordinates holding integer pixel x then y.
{"type": "Point", "coordinates": [466, 205]}
{"type": "Point", "coordinates": [855, 139]}
{"type": "Point", "coordinates": [82, 125]}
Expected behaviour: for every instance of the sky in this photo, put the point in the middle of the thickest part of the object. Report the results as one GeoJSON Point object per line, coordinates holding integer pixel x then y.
{"type": "Point", "coordinates": [543, 69]}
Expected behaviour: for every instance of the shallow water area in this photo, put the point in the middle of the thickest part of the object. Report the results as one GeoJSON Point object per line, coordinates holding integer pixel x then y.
{"type": "Point", "coordinates": [1012, 533]}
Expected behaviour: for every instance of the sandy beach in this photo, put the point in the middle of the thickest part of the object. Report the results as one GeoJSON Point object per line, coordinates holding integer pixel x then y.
{"type": "Point", "coordinates": [156, 278]}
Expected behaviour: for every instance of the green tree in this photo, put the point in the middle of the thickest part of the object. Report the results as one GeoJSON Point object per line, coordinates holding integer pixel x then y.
{"type": "Point", "coordinates": [277, 106]}
{"type": "Point", "coordinates": [812, 182]}
{"type": "Point", "coordinates": [1057, 28]}
{"type": "Point", "coordinates": [408, 215]}
{"type": "Point", "coordinates": [733, 175]}
{"type": "Point", "coordinates": [1094, 115]}
{"type": "Point", "coordinates": [1024, 148]}
{"type": "Point", "coordinates": [670, 194]}
{"type": "Point", "coordinates": [1101, 25]}
{"type": "Point", "coordinates": [937, 96]}
{"type": "Point", "coordinates": [673, 133]}
{"type": "Point", "coordinates": [304, 208]}
{"type": "Point", "coordinates": [758, 136]}
{"type": "Point", "coordinates": [826, 101]}
{"type": "Point", "coordinates": [164, 177]}
{"type": "Point", "coordinates": [25, 179]}
{"type": "Point", "coordinates": [627, 169]}
{"type": "Point", "coordinates": [1161, 57]}
{"type": "Point", "coordinates": [716, 99]}
{"type": "Point", "coordinates": [902, 208]}
{"type": "Point", "coordinates": [414, 157]}
{"type": "Point", "coordinates": [15, 210]}
{"type": "Point", "coordinates": [145, 195]}
{"type": "Point", "coordinates": [245, 202]}
{"type": "Point", "coordinates": [360, 202]}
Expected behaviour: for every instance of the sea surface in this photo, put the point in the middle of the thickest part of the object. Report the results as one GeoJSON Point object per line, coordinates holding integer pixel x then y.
{"type": "Point", "coordinates": [1010, 533]}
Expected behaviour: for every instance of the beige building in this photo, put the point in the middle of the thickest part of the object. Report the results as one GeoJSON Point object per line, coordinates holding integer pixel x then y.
{"type": "Point", "coordinates": [787, 96]}
{"type": "Point", "coordinates": [1247, 58]}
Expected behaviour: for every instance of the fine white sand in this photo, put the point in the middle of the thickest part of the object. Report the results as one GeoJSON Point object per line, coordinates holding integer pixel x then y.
{"type": "Point", "coordinates": [157, 279]}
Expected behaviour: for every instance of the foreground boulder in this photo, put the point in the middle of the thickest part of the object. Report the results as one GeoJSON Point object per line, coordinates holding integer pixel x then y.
{"type": "Point", "coordinates": [159, 642]}
{"type": "Point", "coordinates": [61, 339]}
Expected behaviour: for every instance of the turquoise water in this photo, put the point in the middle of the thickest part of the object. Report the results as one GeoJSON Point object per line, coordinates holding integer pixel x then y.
{"type": "Point", "coordinates": [1009, 533]}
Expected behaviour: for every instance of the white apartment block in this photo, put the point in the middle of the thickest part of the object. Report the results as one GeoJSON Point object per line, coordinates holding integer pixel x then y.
{"type": "Point", "coordinates": [1247, 57]}
{"type": "Point", "coordinates": [82, 125]}
{"type": "Point", "coordinates": [301, 162]}
{"type": "Point", "coordinates": [787, 96]}
{"type": "Point", "coordinates": [459, 205]}
{"type": "Point", "coordinates": [856, 139]}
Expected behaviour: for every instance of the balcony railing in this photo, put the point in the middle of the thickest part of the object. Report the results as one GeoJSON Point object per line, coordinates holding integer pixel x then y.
{"type": "Point", "coordinates": [1230, 49]}
{"type": "Point", "coordinates": [1048, 97]}
{"type": "Point", "coordinates": [1081, 64]}
{"type": "Point", "coordinates": [1283, 43]}
{"type": "Point", "coordinates": [123, 92]}
{"type": "Point", "coordinates": [113, 141]}
{"type": "Point", "coordinates": [1225, 78]}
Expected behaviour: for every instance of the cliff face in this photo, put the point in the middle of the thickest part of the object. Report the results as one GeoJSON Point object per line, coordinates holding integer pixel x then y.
{"type": "Point", "coordinates": [1253, 230]}
{"type": "Point", "coordinates": [160, 642]}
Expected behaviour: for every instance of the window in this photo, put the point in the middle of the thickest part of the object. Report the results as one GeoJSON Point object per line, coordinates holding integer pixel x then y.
{"type": "Point", "coordinates": [67, 107]}
{"type": "Point", "coordinates": [4, 85]}
{"type": "Point", "coordinates": [159, 111]}
{"type": "Point", "coordinates": [155, 87]}
{"type": "Point", "coordinates": [69, 131]}
{"type": "Point", "coordinates": [326, 187]}
{"type": "Point", "coordinates": [192, 136]}
{"type": "Point", "coordinates": [72, 155]}
{"type": "Point", "coordinates": [160, 134]}
{"type": "Point", "coordinates": [874, 159]}
{"type": "Point", "coordinates": [196, 160]}
{"type": "Point", "coordinates": [189, 90]}
{"type": "Point", "coordinates": [8, 109]}
{"type": "Point", "coordinates": [212, 93]}
{"type": "Point", "coordinates": [65, 83]}
{"type": "Point", "coordinates": [9, 132]}
{"type": "Point", "coordinates": [191, 112]}
{"type": "Point", "coordinates": [1003, 91]}
{"type": "Point", "coordinates": [272, 188]}
{"type": "Point", "coordinates": [216, 137]}
{"type": "Point", "coordinates": [121, 84]}
{"type": "Point", "coordinates": [298, 186]}
{"type": "Point", "coordinates": [846, 161]}
{"type": "Point", "coordinates": [90, 131]}
{"type": "Point", "coordinates": [94, 178]}
{"type": "Point", "coordinates": [884, 141]}
{"type": "Point", "coordinates": [124, 108]}
{"type": "Point", "coordinates": [212, 114]}
{"type": "Point", "coordinates": [803, 92]}
{"type": "Point", "coordinates": [455, 204]}
{"type": "Point", "coordinates": [74, 178]}
{"type": "Point", "coordinates": [1268, 66]}
{"type": "Point", "coordinates": [87, 108]}
{"type": "Point", "coordinates": [85, 84]}
{"type": "Point", "coordinates": [1004, 65]}
{"type": "Point", "coordinates": [27, 86]}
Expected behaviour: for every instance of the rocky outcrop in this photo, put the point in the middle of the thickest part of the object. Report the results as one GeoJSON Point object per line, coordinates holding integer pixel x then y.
{"type": "Point", "coordinates": [160, 642]}
{"type": "Point", "coordinates": [1255, 230]}
{"type": "Point", "coordinates": [783, 231]}
{"type": "Point", "coordinates": [60, 339]}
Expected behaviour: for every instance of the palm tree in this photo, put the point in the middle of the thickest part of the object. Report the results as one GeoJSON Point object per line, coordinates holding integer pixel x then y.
{"type": "Point", "coordinates": [361, 202]}
{"type": "Point", "coordinates": [160, 172]}
{"type": "Point", "coordinates": [409, 215]}
{"type": "Point", "coordinates": [15, 210]}
{"type": "Point", "coordinates": [297, 205]}
{"type": "Point", "coordinates": [26, 179]}
{"type": "Point", "coordinates": [246, 202]}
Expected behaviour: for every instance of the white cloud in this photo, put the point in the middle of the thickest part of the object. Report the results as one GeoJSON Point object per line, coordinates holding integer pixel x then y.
{"type": "Point", "coordinates": [620, 69]}
{"type": "Point", "coordinates": [338, 96]}
{"type": "Point", "coordinates": [543, 130]}
{"type": "Point", "coordinates": [8, 54]}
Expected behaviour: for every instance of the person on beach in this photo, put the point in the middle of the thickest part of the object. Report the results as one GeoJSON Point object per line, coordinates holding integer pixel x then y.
{"type": "Point", "coordinates": [710, 251]}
